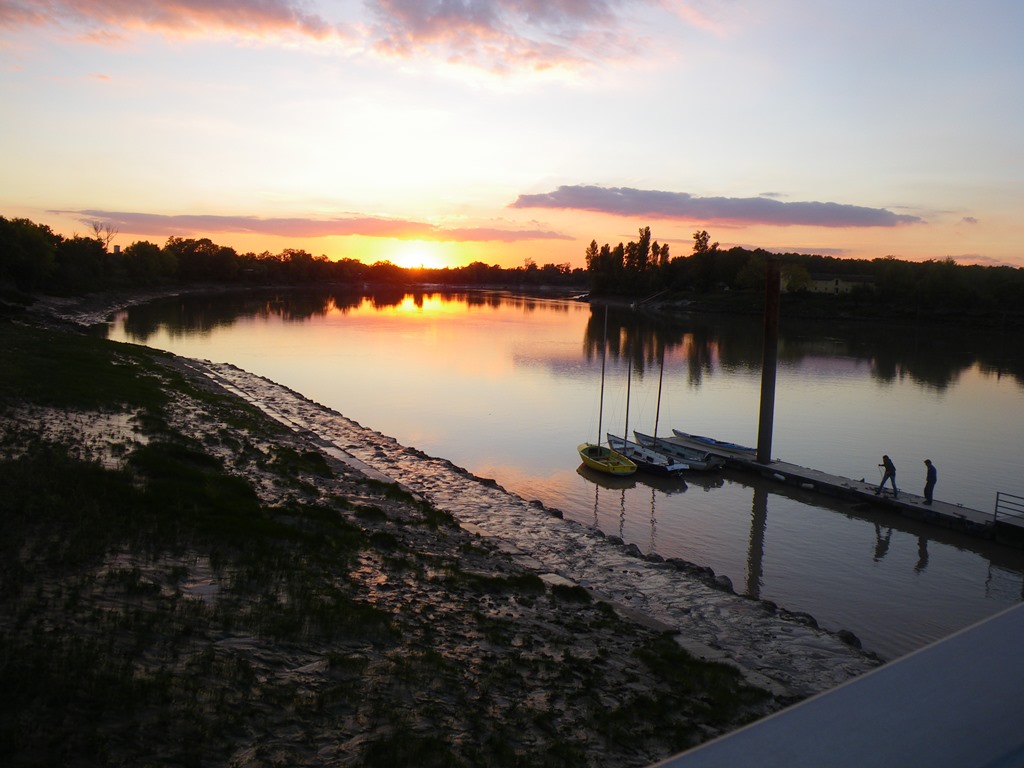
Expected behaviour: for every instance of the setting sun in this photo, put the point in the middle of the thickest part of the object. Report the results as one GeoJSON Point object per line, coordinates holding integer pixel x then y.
{"type": "Point", "coordinates": [413, 254]}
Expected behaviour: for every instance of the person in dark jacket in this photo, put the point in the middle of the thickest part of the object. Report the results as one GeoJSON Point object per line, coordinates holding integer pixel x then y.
{"type": "Point", "coordinates": [931, 477]}
{"type": "Point", "coordinates": [890, 474]}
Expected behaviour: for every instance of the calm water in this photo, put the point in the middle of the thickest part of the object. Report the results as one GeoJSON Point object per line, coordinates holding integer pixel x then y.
{"type": "Point", "coordinates": [507, 387]}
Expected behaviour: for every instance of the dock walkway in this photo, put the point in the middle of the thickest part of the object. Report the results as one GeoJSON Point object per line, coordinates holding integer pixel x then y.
{"type": "Point", "coordinates": [943, 513]}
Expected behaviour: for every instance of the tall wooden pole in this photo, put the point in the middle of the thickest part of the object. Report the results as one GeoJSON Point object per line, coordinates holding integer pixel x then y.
{"type": "Point", "coordinates": [769, 362]}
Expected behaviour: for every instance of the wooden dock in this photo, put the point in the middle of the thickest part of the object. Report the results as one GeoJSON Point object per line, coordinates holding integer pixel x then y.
{"type": "Point", "coordinates": [955, 516]}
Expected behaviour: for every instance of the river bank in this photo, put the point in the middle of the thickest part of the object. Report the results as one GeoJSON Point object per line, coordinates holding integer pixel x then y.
{"type": "Point", "coordinates": [515, 636]}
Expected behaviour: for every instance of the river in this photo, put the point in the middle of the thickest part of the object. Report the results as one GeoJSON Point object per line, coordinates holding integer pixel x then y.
{"type": "Point", "coordinates": [507, 386]}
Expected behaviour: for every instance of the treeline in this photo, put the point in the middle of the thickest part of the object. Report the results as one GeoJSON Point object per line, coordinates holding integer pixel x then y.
{"type": "Point", "coordinates": [644, 268]}
{"type": "Point", "coordinates": [33, 258]}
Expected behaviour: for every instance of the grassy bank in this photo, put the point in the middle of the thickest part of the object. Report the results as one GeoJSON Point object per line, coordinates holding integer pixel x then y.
{"type": "Point", "coordinates": [185, 582]}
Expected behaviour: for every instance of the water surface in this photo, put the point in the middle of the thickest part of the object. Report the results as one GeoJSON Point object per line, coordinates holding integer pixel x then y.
{"type": "Point", "coordinates": [508, 386]}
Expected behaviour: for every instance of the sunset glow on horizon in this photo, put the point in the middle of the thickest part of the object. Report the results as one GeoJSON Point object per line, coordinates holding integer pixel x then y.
{"type": "Point", "coordinates": [435, 134]}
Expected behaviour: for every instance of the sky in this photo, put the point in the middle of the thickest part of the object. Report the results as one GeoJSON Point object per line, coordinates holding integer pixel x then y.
{"type": "Point", "coordinates": [443, 132]}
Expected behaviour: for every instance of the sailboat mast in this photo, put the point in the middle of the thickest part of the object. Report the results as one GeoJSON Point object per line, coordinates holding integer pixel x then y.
{"type": "Point", "coordinates": [604, 355]}
{"type": "Point", "coordinates": [657, 409]}
{"type": "Point", "coordinates": [629, 381]}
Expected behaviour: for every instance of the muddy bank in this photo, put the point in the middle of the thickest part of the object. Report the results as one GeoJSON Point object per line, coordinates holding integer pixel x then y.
{"type": "Point", "coordinates": [784, 651]}
{"type": "Point", "coordinates": [490, 630]}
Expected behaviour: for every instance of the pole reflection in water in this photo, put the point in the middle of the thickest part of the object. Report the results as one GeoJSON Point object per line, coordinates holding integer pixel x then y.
{"type": "Point", "coordinates": [654, 524]}
{"type": "Point", "coordinates": [755, 553]}
{"type": "Point", "coordinates": [661, 487]}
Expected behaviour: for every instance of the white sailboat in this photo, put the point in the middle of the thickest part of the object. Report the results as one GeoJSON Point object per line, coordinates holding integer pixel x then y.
{"type": "Point", "coordinates": [693, 459]}
{"type": "Point", "coordinates": [646, 459]}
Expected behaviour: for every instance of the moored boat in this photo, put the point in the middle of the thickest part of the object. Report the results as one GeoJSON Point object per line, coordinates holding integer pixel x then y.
{"type": "Point", "coordinates": [713, 443]}
{"type": "Point", "coordinates": [698, 460]}
{"type": "Point", "coordinates": [604, 459]}
{"type": "Point", "coordinates": [646, 459]}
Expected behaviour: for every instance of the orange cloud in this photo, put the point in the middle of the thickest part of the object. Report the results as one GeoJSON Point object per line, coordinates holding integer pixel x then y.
{"type": "Point", "coordinates": [182, 17]}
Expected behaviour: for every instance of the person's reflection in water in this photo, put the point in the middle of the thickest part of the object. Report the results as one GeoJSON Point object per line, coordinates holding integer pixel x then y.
{"type": "Point", "coordinates": [881, 542]}
{"type": "Point", "coordinates": [922, 554]}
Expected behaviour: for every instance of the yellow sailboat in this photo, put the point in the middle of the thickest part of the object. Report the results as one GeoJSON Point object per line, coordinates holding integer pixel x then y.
{"type": "Point", "coordinates": [601, 457]}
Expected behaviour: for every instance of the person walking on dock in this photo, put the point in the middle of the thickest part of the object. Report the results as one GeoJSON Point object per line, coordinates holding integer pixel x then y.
{"type": "Point", "coordinates": [930, 478]}
{"type": "Point", "coordinates": [890, 474]}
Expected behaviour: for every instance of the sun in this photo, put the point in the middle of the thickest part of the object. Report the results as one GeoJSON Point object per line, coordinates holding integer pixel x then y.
{"type": "Point", "coordinates": [413, 254]}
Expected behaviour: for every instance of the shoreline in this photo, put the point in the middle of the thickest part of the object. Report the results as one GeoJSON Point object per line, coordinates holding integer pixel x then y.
{"type": "Point", "coordinates": [775, 650]}
{"type": "Point", "coordinates": [747, 640]}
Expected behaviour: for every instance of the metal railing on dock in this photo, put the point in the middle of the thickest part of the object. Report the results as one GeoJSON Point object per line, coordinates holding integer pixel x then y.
{"type": "Point", "coordinates": [1010, 508]}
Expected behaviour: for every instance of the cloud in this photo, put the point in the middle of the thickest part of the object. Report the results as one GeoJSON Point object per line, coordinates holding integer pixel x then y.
{"type": "Point", "coordinates": [977, 259]}
{"type": "Point", "coordinates": [624, 201]}
{"type": "Point", "coordinates": [494, 35]}
{"type": "Point", "coordinates": [179, 17]}
{"type": "Point", "coordinates": [968, 220]}
{"type": "Point", "coordinates": [501, 35]}
{"type": "Point", "coordinates": [195, 225]}
{"type": "Point", "coordinates": [498, 36]}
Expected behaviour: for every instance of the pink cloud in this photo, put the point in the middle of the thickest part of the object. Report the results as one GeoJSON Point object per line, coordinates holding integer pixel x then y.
{"type": "Point", "coordinates": [496, 35]}
{"type": "Point", "coordinates": [196, 225]}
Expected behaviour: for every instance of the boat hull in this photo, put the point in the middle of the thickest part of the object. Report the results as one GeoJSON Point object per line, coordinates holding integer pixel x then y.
{"type": "Point", "coordinates": [701, 461]}
{"type": "Point", "coordinates": [646, 459]}
{"type": "Point", "coordinates": [604, 459]}
{"type": "Point", "coordinates": [713, 443]}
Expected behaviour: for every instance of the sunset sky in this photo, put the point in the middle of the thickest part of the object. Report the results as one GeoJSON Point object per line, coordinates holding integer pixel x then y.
{"type": "Point", "coordinates": [440, 132]}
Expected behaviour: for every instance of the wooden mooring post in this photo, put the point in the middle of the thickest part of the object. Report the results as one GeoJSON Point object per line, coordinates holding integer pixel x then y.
{"type": "Point", "coordinates": [769, 362]}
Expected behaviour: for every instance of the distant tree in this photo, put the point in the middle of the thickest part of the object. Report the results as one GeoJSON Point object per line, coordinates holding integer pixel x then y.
{"type": "Point", "coordinates": [659, 254]}
{"type": "Point", "coordinates": [146, 263]}
{"type": "Point", "coordinates": [637, 255]}
{"type": "Point", "coordinates": [795, 277]}
{"type": "Point", "coordinates": [347, 270]}
{"type": "Point", "coordinates": [201, 260]}
{"type": "Point", "coordinates": [298, 265]}
{"type": "Point", "coordinates": [28, 253]}
{"type": "Point", "coordinates": [104, 232]}
{"type": "Point", "coordinates": [896, 279]}
{"type": "Point", "coordinates": [643, 250]}
{"type": "Point", "coordinates": [751, 275]}
{"type": "Point", "coordinates": [82, 265]}
{"type": "Point", "coordinates": [386, 272]}
{"type": "Point", "coordinates": [701, 242]}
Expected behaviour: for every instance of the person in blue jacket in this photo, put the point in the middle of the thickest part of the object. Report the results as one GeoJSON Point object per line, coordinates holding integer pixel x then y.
{"type": "Point", "coordinates": [931, 477]}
